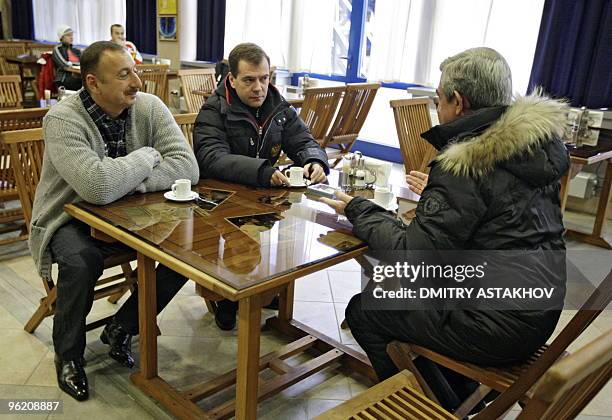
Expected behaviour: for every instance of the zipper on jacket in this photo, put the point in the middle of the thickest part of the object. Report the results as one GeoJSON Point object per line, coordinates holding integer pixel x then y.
{"type": "Point", "coordinates": [264, 124]}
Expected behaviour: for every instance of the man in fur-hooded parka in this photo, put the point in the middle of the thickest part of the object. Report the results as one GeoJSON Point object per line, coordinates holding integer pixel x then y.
{"type": "Point", "coordinates": [494, 185]}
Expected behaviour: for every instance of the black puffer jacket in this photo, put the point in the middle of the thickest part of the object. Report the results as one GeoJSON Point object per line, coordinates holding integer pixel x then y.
{"type": "Point", "coordinates": [494, 185]}
{"type": "Point", "coordinates": [230, 145]}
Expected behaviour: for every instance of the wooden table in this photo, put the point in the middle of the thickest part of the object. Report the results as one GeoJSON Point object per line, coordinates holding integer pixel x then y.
{"type": "Point", "coordinates": [25, 62]}
{"type": "Point", "coordinates": [234, 256]}
{"type": "Point", "coordinates": [588, 155]}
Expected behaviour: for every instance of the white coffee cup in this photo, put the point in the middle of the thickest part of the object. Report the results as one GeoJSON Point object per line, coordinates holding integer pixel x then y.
{"type": "Point", "coordinates": [383, 196]}
{"type": "Point", "coordinates": [181, 188]}
{"type": "Point", "coordinates": [296, 175]}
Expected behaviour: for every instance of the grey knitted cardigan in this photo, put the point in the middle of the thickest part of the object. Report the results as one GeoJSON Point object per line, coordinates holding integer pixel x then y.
{"type": "Point", "coordinates": [75, 167]}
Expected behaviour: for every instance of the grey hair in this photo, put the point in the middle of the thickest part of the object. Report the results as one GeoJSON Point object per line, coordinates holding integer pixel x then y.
{"type": "Point", "coordinates": [482, 75]}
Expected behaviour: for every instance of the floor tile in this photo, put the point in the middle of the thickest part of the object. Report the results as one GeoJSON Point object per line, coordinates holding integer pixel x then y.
{"type": "Point", "coordinates": [344, 285]}
{"type": "Point", "coordinates": [313, 288]}
{"type": "Point", "coordinates": [21, 354]}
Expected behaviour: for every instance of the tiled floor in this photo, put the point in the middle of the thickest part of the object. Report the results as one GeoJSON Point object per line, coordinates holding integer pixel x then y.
{"type": "Point", "coordinates": [192, 348]}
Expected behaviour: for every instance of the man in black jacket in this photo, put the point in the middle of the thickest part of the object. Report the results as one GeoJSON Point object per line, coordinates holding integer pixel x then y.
{"type": "Point", "coordinates": [493, 186]}
{"type": "Point", "coordinates": [242, 129]}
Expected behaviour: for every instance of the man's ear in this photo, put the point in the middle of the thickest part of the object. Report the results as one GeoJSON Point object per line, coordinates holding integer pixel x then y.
{"type": "Point", "coordinates": [458, 103]}
{"type": "Point", "coordinates": [232, 79]}
{"type": "Point", "coordinates": [91, 82]}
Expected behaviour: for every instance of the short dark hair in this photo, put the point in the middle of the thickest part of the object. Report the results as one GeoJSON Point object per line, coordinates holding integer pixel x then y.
{"type": "Point", "coordinates": [249, 52]}
{"type": "Point", "coordinates": [91, 57]}
{"type": "Point", "coordinates": [115, 25]}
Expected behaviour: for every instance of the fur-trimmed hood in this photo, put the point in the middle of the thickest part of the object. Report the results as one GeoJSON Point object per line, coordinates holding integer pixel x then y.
{"type": "Point", "coordinates": [511, 137]}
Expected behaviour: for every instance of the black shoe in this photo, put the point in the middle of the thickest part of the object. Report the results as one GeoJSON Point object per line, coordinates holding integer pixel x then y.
{"type": "Point", "coordinates": [225, 316]}
{"type": "Point", "coordinates": [273, 304]}
{"type": "Point", "coordinates": [120, 343]}
{"type": "Point", "coordinates": [71, 378]}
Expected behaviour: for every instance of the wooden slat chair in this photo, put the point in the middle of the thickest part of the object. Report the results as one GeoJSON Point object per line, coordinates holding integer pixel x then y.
{"type": "Point", "coordinates": [10, 49]}
{"type": "Point", "coordinates": [154, 79]}
{"type": "Point", "coordinates": [411, 119]}
{"type": "Point", "coordinates": [186, 123]}
{"type": "Point", "coordinates": [354, 108]}
{"type": "Point", "coordinates": [197, 79]}
{"type": "Point", "coordinates": [513, 382]}
{"type": "Point", "coordinates": [318, 110]}
{"type": "Point", "coordinates": [10, 92]}
{"type": "Point", "coordinates": [18, 119]}
{"type": "Point", "coordinates": [562, 393]}
{"type": "Point", "coordinates": [26, 151]}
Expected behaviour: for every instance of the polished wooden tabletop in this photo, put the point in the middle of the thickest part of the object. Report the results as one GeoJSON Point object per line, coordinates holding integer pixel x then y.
{"type": "Point", "coordinates": [592, 154]}
{"type": "Point", "coordinates": [248, 237]}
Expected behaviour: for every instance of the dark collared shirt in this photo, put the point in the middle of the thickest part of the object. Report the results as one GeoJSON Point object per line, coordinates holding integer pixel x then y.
{"type": "Point", "coordinates": [112, 130]}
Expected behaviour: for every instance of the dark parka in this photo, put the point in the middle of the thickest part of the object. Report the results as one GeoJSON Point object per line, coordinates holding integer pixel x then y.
{"type": "Point", "coordinates": [230, 145]}
{"type": "Point", "coordinates": [493, 186]}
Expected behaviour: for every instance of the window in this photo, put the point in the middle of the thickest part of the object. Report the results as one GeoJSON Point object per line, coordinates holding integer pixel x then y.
{"type": "Point", "coordinates": [90, 19]}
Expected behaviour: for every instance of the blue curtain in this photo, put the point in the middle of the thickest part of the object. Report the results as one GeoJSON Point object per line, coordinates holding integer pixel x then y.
{"type": "Point", "coordinates": [22, 19]}
{"type": "Point", "coordinates": [141, 24]}
{"type": "Point", "coordinates": [573, 57]}
{"type": "Point", "coordinates": [211, 30]}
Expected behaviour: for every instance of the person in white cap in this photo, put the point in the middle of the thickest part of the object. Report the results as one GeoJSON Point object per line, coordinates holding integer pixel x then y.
{"type": "Point", "coordinates": [65, 56]}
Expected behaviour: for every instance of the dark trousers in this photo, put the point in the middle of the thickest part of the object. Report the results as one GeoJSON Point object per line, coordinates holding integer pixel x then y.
{"type": "Point", "coordinates": [488, 338]}
{"type": "Point", "coordinates": [80, 260]}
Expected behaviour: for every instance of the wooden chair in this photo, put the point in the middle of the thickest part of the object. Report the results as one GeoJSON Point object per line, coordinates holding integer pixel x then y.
{"type": "Point", "coordinates": [514, 382]}
{"type": "Point", "coordinates": [14, 120]}
{"type": "Point", "coordinates": [562, 393]}
{"type": "Point", "coordinates": [197, 79]}
{"type": "Point", "coordinates": [154, 79]}
{"type": "Point", "coordinates": [186, 122]}
{"type": "Point", "coordinates": [354, 109]}
{"type": "Point", "coordinates": [26, 151]}
{"type": "Point", "coordinates": [10, 92]}
{"type": "Point", "coordinates": [10, 49]}
{"type": "Point", "coordinates": [411, 119]}
{"type": "Point", "coordinates": [318, 110]}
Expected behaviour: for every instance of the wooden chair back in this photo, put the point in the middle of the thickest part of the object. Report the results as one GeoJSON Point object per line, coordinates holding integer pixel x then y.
{"type": "Point", "coordinates": [10, 92]}
{"type": "Point", "coordinates": [572, 382]}
{"type": "Point", "coordinates": [354, 108]}
{"type": "Point", "coordinates": [319, 108]}
{"type": "Point", "coordinates": [411, 119]}
{"type": "Point", "coordinates": [37, 49]}
{"type": "Point", "coordinates": [154, 79]}
{"type": "Point", "coordinates": [19, 119]}
{"type": "Point", "coordinates": [186, 122]}
{"type": "Point", "coordinates": [26, 151]}
{"type": "Point", "coordinates": [10, 49]}
{"type": "Point", "coordinates": [197, 79]}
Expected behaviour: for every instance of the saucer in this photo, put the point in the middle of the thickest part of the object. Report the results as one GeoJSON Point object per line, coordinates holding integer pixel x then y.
{"type": "Point", "coordinates": [392, 204]}
{"type": "Point", "coordinates": [304, 183]}
{"type": "Point", "coordinates": [170, 196]}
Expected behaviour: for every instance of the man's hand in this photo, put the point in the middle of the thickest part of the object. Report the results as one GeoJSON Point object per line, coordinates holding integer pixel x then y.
{"type": "Point", "coordinates": [340, 204]}
{"type": "Point", "coordinates": [417, 181]}
{"type": "Point", "coordinates": [315, 173]}
{"type": "Point", "coordinates": [278, 179]}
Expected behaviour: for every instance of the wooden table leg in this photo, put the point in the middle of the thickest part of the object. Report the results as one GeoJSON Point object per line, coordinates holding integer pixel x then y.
{"type": "Point", "coordinates": [147, 314]}
{"type": "Point", "coordinates": [247, 370]}
{"type": "Point", "coordinates": [285, 303]}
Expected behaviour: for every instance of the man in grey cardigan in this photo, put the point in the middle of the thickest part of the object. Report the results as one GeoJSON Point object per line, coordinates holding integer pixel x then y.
{"type": "Point", "coordinates": [101, 144]}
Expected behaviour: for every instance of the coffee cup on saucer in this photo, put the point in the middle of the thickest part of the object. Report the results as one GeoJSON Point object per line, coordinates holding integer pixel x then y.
{"type": "Point", "coordinates": [181, 188]}
{"type": "Point", "coordinates": [383, 196]}
{"type": "Point", "coordinates": [295, 175]}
